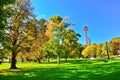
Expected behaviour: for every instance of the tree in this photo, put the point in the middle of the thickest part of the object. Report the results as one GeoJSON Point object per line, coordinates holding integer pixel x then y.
{"type": "Point", "coordinates": [55, 30]}
{"type": "Point", "coordinates": [3, 16]}
{"type": "Point", "coordinates": [90, 51]}
{"type": "Point", "coordinates": [40, 39]}
{"type": "Point", "coordinates": [115, 45]}
{"type": "Point", "coordinates": [61, 39]}
{"type": "Point", "coordinates": [1, 51]}
{"type": "Point", "coordinates": [80, 48]}
{"type": "Point", "coordinates": [69, 42]}
{"type": "Point", "coordinates": [99, 50]}
{"type": "Point", "coordinates": [20, 28]}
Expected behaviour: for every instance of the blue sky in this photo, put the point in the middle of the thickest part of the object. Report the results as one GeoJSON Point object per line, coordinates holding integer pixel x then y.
{"type": "Point", "coordinates": [101, 16]}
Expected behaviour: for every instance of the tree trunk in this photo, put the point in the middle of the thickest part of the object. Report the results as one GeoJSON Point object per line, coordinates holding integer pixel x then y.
{"type": "Point", "coordinates": [100, 55]}
{"type": "Point", "coordinates": [13, 62]}
{"type": "Point", "coordinates": [66, 57]}
{"type": "Point", "coordinates": [22, 60]}
{"type": "Point", "coordinates": [108, 54]}
{"type": "Point", "coordinates": [39, 61]}
{"type": "Point", "coordinates": [58, 57]}
{"type": "Point", "coordinates": [80, 55]}
{"type": "Point", "coordinates": [9, 60]}
{"type": "Point", "coordinates": [107, 50]}
{"type": "Point", "coordinates": [48, 57]}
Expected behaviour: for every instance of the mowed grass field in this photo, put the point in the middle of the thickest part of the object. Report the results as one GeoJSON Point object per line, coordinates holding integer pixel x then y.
{"type": "Point", "coordinates": [72, 70]}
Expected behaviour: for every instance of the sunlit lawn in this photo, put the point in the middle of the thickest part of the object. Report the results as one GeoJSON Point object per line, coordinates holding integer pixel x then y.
{"type": "Point", "coordinates": [73, 70]}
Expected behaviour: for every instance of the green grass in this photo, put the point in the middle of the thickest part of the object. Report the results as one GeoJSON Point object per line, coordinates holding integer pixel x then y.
{"type": "Point", "coordinates": [73, 70]}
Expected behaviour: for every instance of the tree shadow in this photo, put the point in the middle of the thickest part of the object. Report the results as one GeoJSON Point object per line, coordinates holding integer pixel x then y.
{"type": "Point", "coordinates": [84, 61]}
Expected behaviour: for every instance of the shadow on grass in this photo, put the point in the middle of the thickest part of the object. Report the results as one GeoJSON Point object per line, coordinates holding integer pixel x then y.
{"type": "Point", "coordinates": [84, 61]}
{"type": "Point", "coordinates": [68, 72]}
{"type": "Point", "coordinates": [78, 61]}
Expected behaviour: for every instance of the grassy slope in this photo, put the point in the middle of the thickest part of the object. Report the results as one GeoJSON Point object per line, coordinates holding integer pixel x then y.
{"type": "Point", "coordinates": [73, 70]}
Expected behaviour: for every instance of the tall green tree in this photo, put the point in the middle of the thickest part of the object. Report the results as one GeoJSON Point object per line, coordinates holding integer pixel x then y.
{"type": "Point", "coordinates": [20, 28]}
{"type": "Point", "coordinates": [3, 16]}
{"type": "Point", "coordinates": [69, 42]}
{"type": "Point", "coordinates": [61, 39]}
{"type": "Point", "coordinates": [55, 29]}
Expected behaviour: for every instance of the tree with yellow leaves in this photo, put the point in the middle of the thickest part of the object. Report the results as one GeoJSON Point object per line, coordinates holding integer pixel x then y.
{"type": "Point", "coordinates": [90, 51]}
